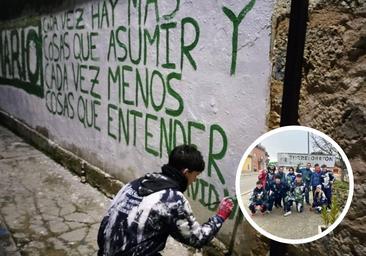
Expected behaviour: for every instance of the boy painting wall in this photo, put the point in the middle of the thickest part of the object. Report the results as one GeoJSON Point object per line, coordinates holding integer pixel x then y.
{"type": "Point", "coordinates": [147, 210]}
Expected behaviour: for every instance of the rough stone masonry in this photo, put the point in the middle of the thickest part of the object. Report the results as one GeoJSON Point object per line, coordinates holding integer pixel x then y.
{"type": "Point", "coordinates": [332, 100]}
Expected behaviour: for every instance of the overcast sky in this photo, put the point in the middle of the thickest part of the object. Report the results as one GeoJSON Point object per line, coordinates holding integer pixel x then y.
{"type": "Point", "coordinates": [286, 142]}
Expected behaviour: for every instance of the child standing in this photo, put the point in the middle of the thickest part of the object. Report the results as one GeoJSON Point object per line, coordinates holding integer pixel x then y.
{"type": "Point", "coordinates": [327, 178]}
{"type": "Point", "coordinates": [315, 178]}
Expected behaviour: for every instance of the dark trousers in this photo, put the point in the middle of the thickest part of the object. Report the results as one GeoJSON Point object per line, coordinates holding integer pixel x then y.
{"type": "Point", "coordinates": [328, 194]}
{"type": "Point", "coordinates": [313, 188]}
{"type": "Point", "coordinates": [253, 205]}
{"type": "Point", "coordinates": [307, 191]}
{"type": "Point", "coordinates": [276, 200]}
{"type": "Point", "coordinates": [289, 204]}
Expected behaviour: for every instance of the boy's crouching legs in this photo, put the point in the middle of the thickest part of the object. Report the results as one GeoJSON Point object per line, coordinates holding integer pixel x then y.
{"type": "Point", "coordinates": [252, 208]}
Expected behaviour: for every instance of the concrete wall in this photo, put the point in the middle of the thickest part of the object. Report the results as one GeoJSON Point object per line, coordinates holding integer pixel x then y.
{"type": "Point", "coordinates": [119, 83]}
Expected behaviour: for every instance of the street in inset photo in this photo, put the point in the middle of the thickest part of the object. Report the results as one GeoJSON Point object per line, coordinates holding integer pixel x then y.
{"type": "Point", "coordinates": [294, 184]}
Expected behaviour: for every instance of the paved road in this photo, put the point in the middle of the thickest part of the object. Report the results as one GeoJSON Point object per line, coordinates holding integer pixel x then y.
{"type": "Point", "coordinates": [294, 226]}
{"type": "Point", "coordinates": [46, 208]}
{"type": "Point", "coordinates": [247, 181]}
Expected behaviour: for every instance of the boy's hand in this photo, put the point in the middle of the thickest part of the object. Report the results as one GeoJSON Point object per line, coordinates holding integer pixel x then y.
{"type": "Point", "coordinates": [225, 208]}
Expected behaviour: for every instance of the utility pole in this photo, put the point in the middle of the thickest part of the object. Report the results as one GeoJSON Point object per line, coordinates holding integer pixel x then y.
{"type": "Point", "coordinates": [294, 61]}
{"type": "Point", "coordinates": [292, 80]}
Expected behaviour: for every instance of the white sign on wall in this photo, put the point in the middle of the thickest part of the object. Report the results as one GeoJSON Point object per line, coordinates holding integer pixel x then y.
{"type": "Point", "coordinates": [294, 159]}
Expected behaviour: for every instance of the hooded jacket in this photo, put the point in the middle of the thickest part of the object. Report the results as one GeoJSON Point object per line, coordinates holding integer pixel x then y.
{"type": "Point", "coordinates": [146, 211]}
{"type": "Point", "coordinates": [258, 196]}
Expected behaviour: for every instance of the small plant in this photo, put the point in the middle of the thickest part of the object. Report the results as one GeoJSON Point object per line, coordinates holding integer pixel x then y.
{"type": "Point", "coordinates": [329, 217]}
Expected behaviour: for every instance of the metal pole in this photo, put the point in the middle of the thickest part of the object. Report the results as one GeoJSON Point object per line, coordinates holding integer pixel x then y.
{"type": "Point", "coordinates": [292, 80]}
{"type": "Point", "coordinates": [294, 60]}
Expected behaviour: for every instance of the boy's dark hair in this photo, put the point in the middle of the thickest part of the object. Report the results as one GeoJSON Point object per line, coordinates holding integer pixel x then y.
{"type": "Point", "coordinates": [186, 157]}
{"type": "Point", "coordinates": [277, 177]}
{"type": "Point", "coordinates": [258, 182]}
{"type": "Point", "coordinates": [299, 175]}
{"type": "Point", "coordinates": [323, 166]}
{"type": "Point", "coordinates": [315, 165]}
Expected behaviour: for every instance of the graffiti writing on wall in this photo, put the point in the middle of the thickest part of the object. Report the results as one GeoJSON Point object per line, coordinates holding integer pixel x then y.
{"type": "Point", "coordinates": [117, 69]}
{"type": "Point", "coordinates": [236, 20]}
{"type": "Point", "coordinates": [21, 56]}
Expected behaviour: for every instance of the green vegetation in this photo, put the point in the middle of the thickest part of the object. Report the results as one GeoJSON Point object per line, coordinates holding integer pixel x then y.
{"type": "Point", "coordinates": [329, 217]}
{"type": "Point", "coordinates": [340, 194]}
{"type": "Point", "coordinates": [340, 191]}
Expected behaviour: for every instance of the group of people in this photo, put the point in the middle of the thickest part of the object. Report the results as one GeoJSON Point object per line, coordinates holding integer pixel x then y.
{"type": "Point", "coordinates": [276, 188]}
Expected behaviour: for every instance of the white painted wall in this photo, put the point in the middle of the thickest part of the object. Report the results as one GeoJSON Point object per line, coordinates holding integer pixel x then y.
{"type": "Point", "coordinates": [212, 96]}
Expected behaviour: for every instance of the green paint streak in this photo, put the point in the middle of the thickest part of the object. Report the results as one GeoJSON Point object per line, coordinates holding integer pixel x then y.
{"type": "Point", "coordinates": [151, 39]}
{"type": "Point", "coordinates": [155, 2]}
{"type": "Point", "coordinates": [174, 94]}
{"type": "Point", "coordinates": [177, 124]}
{"type": "Point", "coordinates": [116, 78]}
{"type": "Point", "coordinates": [140, 87]}
{"type": "Point", "coordinates": [125, 125]}
{"type": "Point", "coordinates": [195, 125]}
{"type": "Point", "coordinates": [125, 84]}
{"type": "Point", "coordinates": [168, 26]}
{"type": "Point", "coordinates": [236, 20]}
{"type": "Point", "coordinates": [136, 114]}
{"type": "Point", "coordinates": [204, 184]}
{"type": "Point", "coordinates": [166, 135]}
{"type": "Point", "coordinates": [186, 49]}
{"type": "Point", "coordinates": [156, 107]}
{"type": "Point", "coordinates": [149, 134]}
{"type": "Point", "coordinates": [213, 157]}
{"type": "Point", "coordinates": [173, 13]}
{"type": "Point", "coordinates": [212, 191]}
{"type": "Point", "coordinates": [111, 107]}
{"type": "Point", "coordinates": [94, 81]}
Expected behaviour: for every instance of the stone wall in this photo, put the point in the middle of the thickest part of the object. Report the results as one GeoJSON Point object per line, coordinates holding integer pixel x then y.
{"type": "Point", "coordinates": [332, 100]}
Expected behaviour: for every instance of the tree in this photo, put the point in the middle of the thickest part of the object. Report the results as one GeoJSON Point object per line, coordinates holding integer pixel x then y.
{"type": "Point", "coordinates": [322, 146]}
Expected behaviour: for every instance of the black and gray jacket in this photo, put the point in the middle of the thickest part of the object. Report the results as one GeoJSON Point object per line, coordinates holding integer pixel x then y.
{"type": "Point", "coordinates": [146, 211]}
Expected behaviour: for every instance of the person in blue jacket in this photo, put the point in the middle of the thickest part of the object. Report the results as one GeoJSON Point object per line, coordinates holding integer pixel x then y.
{"type": "Point", "coordinates": [148, 210]}
{"type": "Point", "coordinates": [306, 177]}
{"type": "Point", "coordinates": [315, 178]}
{"type": "Point", "coordinates": [327, 179]}
{"type": "Point", "coordinates": [290, 177]}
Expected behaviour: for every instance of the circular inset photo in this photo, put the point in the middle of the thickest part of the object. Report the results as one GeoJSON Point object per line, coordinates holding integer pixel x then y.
{"type": "Point", "coordinates": [294, 184]}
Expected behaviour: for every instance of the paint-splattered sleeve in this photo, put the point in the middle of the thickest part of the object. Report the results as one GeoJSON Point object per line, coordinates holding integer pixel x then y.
{"type": "Point", "coordinates": [185, 228]}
